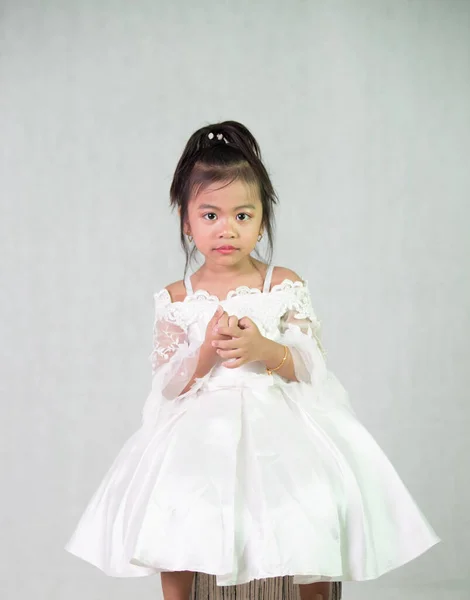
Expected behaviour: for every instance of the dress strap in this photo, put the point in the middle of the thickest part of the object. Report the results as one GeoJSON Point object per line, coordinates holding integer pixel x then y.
{"type": "Point", "coordinates": [187, 284]}
{"type": "Point", "coordinates": [267, 279]}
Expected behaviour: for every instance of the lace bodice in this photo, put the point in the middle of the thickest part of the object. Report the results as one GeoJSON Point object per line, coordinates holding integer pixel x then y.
{"type": "Point", "coordinates": [289, 294]}
{"type": "Point", "coordinates": [282, 313]}
{"type": "Point", "coordinates": [286, 303]}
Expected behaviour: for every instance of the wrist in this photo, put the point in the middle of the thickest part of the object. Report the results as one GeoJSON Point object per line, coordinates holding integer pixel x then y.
{"type": "Point", "coordinates": [272, 354]}
{"type": "Point", "coordinates": [208, 351]}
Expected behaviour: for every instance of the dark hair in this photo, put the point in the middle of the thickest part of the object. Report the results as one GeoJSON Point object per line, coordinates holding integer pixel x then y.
{"type": "Point", "coordinates": [222, 152]}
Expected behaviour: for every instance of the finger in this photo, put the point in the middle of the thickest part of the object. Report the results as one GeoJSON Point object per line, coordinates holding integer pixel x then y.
{"type": "Point", "coordinates": [228, 353]}
{"type": "Point", "coordinates": [222, 321]}
{"type": "Point", "coordinates": [232, 321]}
{"type": "Point", "coordinates": [232, 331]}
{"type": "Point", "coordinates": [218, 312]}
{"type": "Point", "coordinates": [221, 338]}
{"type": "Point", "coordinates": [226, 344]}
{"type": "Point", "coordinates": [245, 323]}
{"type": "Point", "coordinates": [233, 364]}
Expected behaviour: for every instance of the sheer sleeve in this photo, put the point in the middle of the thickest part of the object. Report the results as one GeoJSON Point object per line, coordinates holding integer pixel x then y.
{"type": "Point", "coordinates": [174, 356]}
{"type": "Point", "coordinates": [168, 336]}
{"type": "Point", "coordinates": [300, 331]}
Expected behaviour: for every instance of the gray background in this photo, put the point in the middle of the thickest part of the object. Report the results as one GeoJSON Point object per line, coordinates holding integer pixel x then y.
{"type": "Point", "coordinates": [361, 110]}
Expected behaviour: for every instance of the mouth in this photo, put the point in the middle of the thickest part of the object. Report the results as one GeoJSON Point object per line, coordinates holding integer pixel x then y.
{"type": "Point", "coordinates": [225, 249]}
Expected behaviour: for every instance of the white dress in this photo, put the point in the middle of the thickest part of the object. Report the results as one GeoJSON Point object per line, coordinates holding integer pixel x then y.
{"type": "Point", "coordinates": [248, 475]}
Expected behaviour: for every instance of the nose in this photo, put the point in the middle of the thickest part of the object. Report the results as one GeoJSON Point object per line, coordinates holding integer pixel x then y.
{"type": "Point", "coordinates": [226, 234]}
{"type": "Point", "coordinates": [226, 230]}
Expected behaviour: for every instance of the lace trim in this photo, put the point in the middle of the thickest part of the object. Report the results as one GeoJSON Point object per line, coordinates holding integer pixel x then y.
{"type": "Point", "coordinates": [302, 304]}
{"type": "Point", "coordinates": [163, 298]}
{"type": "Point", "coordinates": [300, 300]}
{"type": "Point", "coordinates": [165, 307]}
{"type": "Point", "coordinates": [241, 290]}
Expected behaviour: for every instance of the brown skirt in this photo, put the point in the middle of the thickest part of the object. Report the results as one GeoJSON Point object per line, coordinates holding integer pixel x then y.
{"type": "Point", "coordinates": [274, 588]}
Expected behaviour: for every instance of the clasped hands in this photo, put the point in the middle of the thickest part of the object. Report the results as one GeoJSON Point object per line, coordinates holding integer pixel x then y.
{"type": "Point", "coordinates": [233, 338]}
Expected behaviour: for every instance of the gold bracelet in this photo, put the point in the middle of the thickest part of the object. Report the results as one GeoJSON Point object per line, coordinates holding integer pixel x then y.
{"type": "Point", "coordinates": [269, 371]}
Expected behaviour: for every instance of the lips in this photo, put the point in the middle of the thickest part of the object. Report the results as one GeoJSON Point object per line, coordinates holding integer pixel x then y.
{"type": "Point", "coordinates": [226, 249]}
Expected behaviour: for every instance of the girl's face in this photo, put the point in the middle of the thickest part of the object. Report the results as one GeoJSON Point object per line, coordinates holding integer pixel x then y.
{"type": "Point", "coordinates": [223, 217]}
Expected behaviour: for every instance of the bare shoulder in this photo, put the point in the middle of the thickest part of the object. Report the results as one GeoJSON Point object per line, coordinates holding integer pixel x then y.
{"type": "Point", "coordinates": [281, 273]}
{"type": "Point", "coordinates": [177, 290]}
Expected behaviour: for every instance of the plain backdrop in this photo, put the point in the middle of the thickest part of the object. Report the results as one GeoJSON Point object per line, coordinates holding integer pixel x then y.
{"type": "Point", "coordinates": [361, 108]}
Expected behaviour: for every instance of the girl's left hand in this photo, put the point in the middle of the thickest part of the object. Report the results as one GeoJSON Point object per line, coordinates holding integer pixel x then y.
{"type": "Point", "coordinates": [246, 343]}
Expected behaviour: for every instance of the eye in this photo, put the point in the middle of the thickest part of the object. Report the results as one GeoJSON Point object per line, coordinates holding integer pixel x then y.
{"type": "Point", "coordinates": [207, 214]}
{"type": "Point", "coordinates": [246, 215]}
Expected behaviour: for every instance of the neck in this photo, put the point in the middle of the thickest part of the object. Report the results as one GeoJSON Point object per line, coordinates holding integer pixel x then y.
{"type": "Point", "coordinates": [214, 271]}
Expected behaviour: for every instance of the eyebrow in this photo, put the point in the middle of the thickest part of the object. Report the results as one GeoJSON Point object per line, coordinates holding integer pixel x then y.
{"type": "Point", "coordinates": [202, 206]}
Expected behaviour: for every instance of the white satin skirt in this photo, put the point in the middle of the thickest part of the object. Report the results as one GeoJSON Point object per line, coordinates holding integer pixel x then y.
{"type": "Point", "coordinates": [251, 477]}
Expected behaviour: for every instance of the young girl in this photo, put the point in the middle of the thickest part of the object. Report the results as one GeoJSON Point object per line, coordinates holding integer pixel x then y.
{"type": "Point", "coordinates": [250, 462]}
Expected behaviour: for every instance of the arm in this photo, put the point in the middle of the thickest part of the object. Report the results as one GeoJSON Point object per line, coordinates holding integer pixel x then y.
{"type": "Point", "coordinates": [206, 360]}
{"type": "Point", "coordinates": [272, 356]}
{"type": "Point", "coordinates": [176, 360]}
{"type": "Point", "coordinates": [300, 332]}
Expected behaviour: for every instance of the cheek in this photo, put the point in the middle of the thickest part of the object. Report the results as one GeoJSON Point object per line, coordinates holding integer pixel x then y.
{"type": "Point", "coordinates": [203, 232]}
{"type": "Point", "coordinates": [256, 224]}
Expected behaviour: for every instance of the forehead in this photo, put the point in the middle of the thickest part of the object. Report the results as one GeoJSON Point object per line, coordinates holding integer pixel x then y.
{"type": "Point", "coordinates": [227, 196]}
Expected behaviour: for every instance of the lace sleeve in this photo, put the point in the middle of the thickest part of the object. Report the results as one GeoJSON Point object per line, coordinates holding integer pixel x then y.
{"type": "Point", "coordinates": [174, 356]}
{"type": "Point", "coordinates": [300, 331]}
{"type": "Point", "coordinates": [167, 335]}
